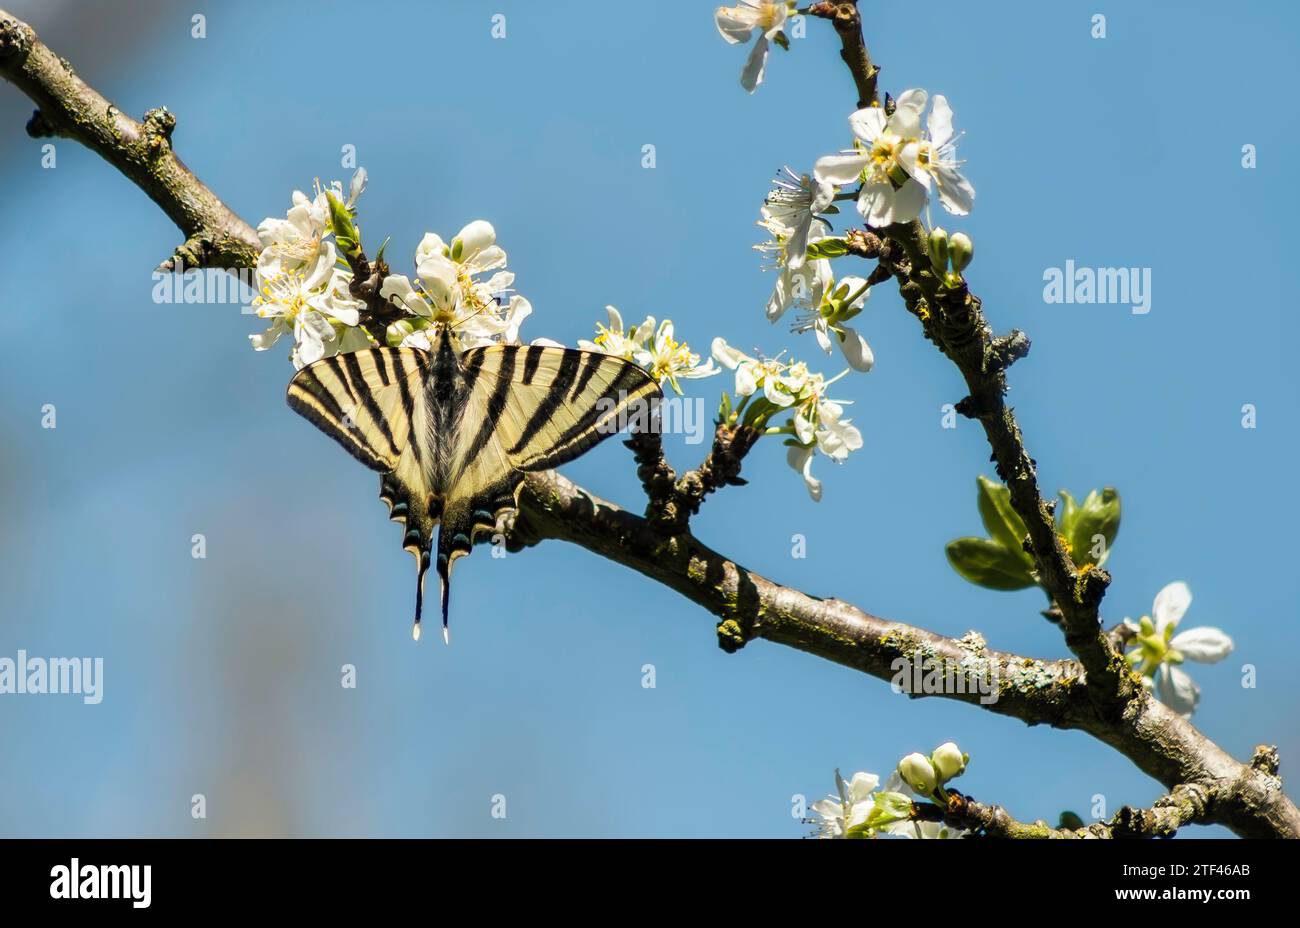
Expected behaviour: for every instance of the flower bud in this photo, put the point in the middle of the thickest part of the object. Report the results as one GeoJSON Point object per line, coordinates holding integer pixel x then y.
{"type": "Point", "coordinates": [918, 773]}
{"type": "Point", "coordinates": [960, 251]}
{"type": "Point", "coordinates": [939, 251]}
{"type": "Point", "coordinates": [396, 332]}
{"type": "Point", "coordinates": [949, 761]}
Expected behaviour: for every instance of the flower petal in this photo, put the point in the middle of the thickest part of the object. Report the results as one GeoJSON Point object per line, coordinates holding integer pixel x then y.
{"type": "Point", "coordinates": [856, 350]}
{"type": "Point", "coordinates": [736, 23]}
{"type": "Point", "coordinates": [868, 123]}
{"type": "Point", "coordinates": [862, 785]}
{"type": "Point", "coordinates": [725, 355]}
{"type": "Point", "coordinates": [475, 237]}
{"type": "Point", "coordinates": [431, 244]}
{"type": "Point", "coordinates": [840, 169]}
{"type": "Point", "coordinates": [746, 382]}
{"type": "Point", "coordinates": [955, 191]}
{"type": "Point", "coordinates": [1204, 644]}
{"type": "Point", "coordinates": [909, 200]}
{"type": "Point", "coordinates": [1177, 690]}
{"type": "Point", "coordinates": [939, 123]}
{"type": "Point", "coordinates": [752, 75]}
{"type": "Point", "coordinates": [908, 159]}
{"type": "Point", "coordinates": [801, 460]}
{"type": "Point", "coordinates": [1171, 604]}
{"type": "Point", "coordinates": [796, 248]}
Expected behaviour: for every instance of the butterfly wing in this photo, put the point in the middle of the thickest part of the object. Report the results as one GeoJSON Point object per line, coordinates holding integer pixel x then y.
{"type": "Point", "coordinates": [518, 409]}
{"type": "Point", "coordinates": [373, 402]}
{"type": "Point", "coordinates": [527, 408]}
{"type": "Point", "coordinates": [552, 404]}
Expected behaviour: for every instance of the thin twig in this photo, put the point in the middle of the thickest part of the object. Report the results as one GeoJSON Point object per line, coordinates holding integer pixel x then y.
{"type": "Point", "coordinates": [1186, 804]}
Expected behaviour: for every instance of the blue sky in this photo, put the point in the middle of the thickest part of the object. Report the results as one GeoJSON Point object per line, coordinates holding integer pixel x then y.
{"type": "Point", "coordinates": [222, 675]}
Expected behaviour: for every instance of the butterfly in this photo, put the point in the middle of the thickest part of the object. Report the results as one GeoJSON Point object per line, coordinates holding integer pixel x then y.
{"type": "Point", "coordinates": [454, 433]}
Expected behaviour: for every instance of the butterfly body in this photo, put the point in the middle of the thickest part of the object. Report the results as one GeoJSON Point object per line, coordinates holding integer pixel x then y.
{"type": "Point", "coordinates": [454, 433]}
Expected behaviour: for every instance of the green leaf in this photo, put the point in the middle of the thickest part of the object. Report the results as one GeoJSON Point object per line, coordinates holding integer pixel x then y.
{"type": "Point", "coordinates": [781, 39]}
{"type": "Point", "coordinates": [987, 563]}
{"type": "Point", "coordinates": [828, 248]}
{"type": "Point", "coordinates": [1081, 523]}
{"type": "Point", "coordinates": [1000, 519]}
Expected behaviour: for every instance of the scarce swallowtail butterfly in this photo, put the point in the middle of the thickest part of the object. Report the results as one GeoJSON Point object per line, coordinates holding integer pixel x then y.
{"type": "Point", "coordinates": [453, 433]}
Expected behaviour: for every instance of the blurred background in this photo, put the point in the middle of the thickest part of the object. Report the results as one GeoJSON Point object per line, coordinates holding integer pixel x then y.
{"type": "Point", "coordinates": [222, 675]}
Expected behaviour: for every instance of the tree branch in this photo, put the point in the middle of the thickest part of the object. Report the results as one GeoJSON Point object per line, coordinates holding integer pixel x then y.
{"type": "Point", "coordinates": [1246, 798]}
{"type": "Point", "coordinates": [142, 151]}
{"type": "Point", "coordinates": [844, 15]}
{"type": "Point", "coordinates": [1249, 798]}
{"type": "Point", "coordinates": [1128, 718]}
{"type": "Point", "coordinates": [1186, 804]}
{"type": "Point", "coordinates": [952, 318]}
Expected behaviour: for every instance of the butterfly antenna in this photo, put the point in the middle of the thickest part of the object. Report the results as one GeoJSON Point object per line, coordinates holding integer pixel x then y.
{"type": "Point", "coordinates": [482, 308]}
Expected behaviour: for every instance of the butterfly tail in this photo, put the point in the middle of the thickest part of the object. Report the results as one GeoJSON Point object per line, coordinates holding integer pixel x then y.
{"type": "Point", "coordinates": [422, 559]}
{"type": "Point", "coordinates": [454, 536]}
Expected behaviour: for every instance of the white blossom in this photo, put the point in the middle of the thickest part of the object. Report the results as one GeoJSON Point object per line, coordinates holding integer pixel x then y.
{"type": "Point", "coordinates": [780, 382]}
{"type": "Point", "coordinates": [653, 347]}
{"type": "Point", "coordinates": [314, 304]}
{"type": "Point", "coordinates": [859, 809]}
{"type": "Point", "coordinates": [925, 831]}
{"type": "Point", "coordinates": [799, 287]}
{"type": "Point", "coordinates": [455, 287]}
{"type": "Point", "coordinates": [817, 423]}
{"type": "Point", "coordinates": [800, 457]}
{"type": "Point", "coordinates": [895, 161]}
{"type": "Point", "coordinates": [1160, 649]}
{"type": "Point", "coordinates": [302, 236]}
{"type": "Point", "coordinates": [840, 302]}
{"type": "Point", "coordinates": [738, 24]}
{"type": "Point", "coordinates": [935, 155]}
{"type": "Point", "coordinates": [839, 813]}
{"type": "Point", "coordinates": [614, 339]}
{"type": "Point", "coordinates": [819, 420]}
{"type": "Point", "coordinates": [793, 204]}
{"type": "Point", "coordinates": [669, 360]}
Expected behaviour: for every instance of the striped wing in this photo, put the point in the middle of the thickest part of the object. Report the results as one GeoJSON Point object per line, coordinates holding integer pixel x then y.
{"type": "Point", "coordinates": [545, 406]}
{"type": "Point", "coordinates": [528, 408]}
{"type": "Point", "coordinates": [518, 409]}
{"type": "Point", "coordinates": [373, 403]}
